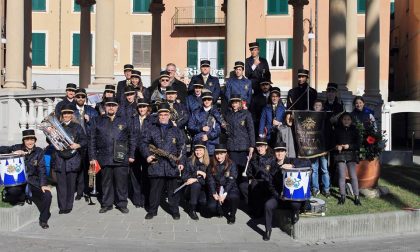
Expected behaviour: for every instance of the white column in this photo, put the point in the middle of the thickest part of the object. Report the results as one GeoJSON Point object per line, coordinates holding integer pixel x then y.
{"type": "Point", "coordinates": [23, 120]}
{"type": "Point", "coordinates": [31, 114]}
{"type": "Point", "coordinates": [235, 33]}
{"type": "Point", "coordinates": [351, 45]}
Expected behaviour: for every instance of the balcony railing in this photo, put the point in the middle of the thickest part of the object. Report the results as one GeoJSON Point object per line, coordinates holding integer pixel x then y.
{"type": "Point", "coordinates": [198, 16]}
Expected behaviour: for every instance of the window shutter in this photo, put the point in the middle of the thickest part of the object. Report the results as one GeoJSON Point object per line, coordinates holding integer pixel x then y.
{"type": "Point", "coordinates": [361, 6]}
{"type": "Point", "coordinates": [263, 47]}
{"type": "Point", "coordinates": [76, 49]}
{"type": "Point", "coordinates": [192, 54]}
{"type": "Point", "coordinates": [221, 54]}
{"type": "Point", "coordinates": [76, 7]}
{"type": "Point", "coordinates": [141, 6]}
{"type": "Point", "coordinates": [283, 7]}
{"type": "Point", "coordinates": [39, 5]}
{"type": "Point", "coordinates": [290, 53]}
{"type": "Point", "coordinates": [38, 49]}
{"type": "Point", "coordinates": [276, 7]}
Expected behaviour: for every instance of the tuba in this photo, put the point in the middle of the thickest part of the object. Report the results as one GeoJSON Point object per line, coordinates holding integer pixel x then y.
{"type": "Point", "coordinates": [53, 130]}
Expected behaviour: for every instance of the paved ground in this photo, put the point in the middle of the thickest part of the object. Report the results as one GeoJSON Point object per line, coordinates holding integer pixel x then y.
{"type": "Point", "coordinates": [87, 230]}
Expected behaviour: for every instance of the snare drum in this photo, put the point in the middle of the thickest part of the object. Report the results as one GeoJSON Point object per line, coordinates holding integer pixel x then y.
{"type": "Point", "coordinates": [296, 184]}
{"type": "Point", "coordinates": [12, 170]}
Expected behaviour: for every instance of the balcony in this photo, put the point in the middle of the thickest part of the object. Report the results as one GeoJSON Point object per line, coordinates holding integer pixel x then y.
{"type": "Point", "coordinates": [198, 16]}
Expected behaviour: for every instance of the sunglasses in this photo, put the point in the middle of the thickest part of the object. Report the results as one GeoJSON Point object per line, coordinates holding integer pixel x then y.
{"type": "Point", "coordinates": [207, 99]}
{"type": "Point", "coordinates": [80, 97]}
{"type": "Point", "coordinates": [164, 80]}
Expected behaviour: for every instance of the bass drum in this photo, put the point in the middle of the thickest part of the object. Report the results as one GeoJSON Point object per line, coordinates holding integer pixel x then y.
{"type": "Point", "coordinates": [12, 170]}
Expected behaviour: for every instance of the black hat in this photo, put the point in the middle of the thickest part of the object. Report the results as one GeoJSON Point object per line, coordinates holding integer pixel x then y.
{"type": "Point", "coordinates": [81, 91]}
{"type": "Point", "coordinates": [109, 88]}
{"type": "Point", "coordinates": [205, 63]}
{"type": "Point", "coordinates": [110, 100]}
{"type": "Point", "coordinates": [332, 86]}
{"type": "Point", "coordinates": [220, 148]}
{"type": "Point", "coordinates": [239, 64]}
{"type": "Point", "coordinates": [171, 90]}
{"type": "Point", "coordinates": [198, 85]}
{"type": "Point", "coordinates": [303, 72]}
{"type": "Point", "coordinates": [71, 86]}
{"type": "Point", "coordinates": [275, 90]}
{"type": "Point", "coordinates": [142, 102]}
{"type": "Point", "coordinates": [253, 45]}
{"type": "Point", "coordinates": [129, 90]}
{"type": "Point", "coordinates": [163, 107]}
{"type": "Point", "coordinates": [164, 74]}
{"type": "Point", "coordinates": [199, 144]}
{"type": "Point", "coordinates": [28, 133]}
{"type": "Point", "coordinates": [235, 97]}
{"type": "Point", "coordinates": [266, 82]}
{"type": "Point", "coordinates": [128, 67]}
{"type": "Point", "coordinates": [261, 141]}
{"type": "Point", "coordinates": [135, 73]}
{"type": "Point", "coordinates": [69, 107]}
{"type": "Point", "coordinates": [207, 94]}
{"type": "Point", "coordinates": [280, 146]}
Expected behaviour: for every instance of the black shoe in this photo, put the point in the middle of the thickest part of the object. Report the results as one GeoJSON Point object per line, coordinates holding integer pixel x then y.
{"type": "Point", "coordinates": [193, 215]}
{"type": "Point", "coordinates": [267, 235]}
{"type": "Point", "coordinates": [105, 209]}
{"type": "Point", "coordinates": [326, 194]}
{"type": "Point", "coordinates": [176, 216]}
{"type": "Point", "coordinates": [62, 212]}
{"type": "Point", "coordinates": [342, 199]}
{"type": "Point", "coordinates": [315, 192]}
{"type": "Point", "coordinates": [150, 216]}
{"type": "Point", "coordinates": [44, 225]}
{"type": "Point", "coordinates": [123, 210]}
{"type": "Point", "coordinates": [231, 220]}
{"type": "Point", "coordinates": [78, 197]}
{"type": "Point", "coordinates": [357, 201]}
{"type": "Point", "coordinates": [295, 218]}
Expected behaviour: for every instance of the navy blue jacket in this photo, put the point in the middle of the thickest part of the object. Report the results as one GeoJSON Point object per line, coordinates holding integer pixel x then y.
{"type": "Point", "coordinates": [128, 110]}
{"type": "Point", "coordinates": [191, 169]}
{"type": "Point", "coordinates": [211, 84]}
{"type": "Point", "coordinates": [194, 103]}
{"type": "Point", "coordinates": [227, 179]}
{"type": "Point", "coordinates": [259, 166]}
{"type": "Point", "coordinates": [201, 118]}
{"type": "Point", "coordinates": [91, 112]}
{"type": "Point", "coordinates": [120, 90]}
{"type": "Point", "coordinates": [363, 116]}
{"type": "Point", "coordinates": [266, 120]}
{"type": "Point", "coordinates": [240, 130]}
{"type": "Point", "coordinates": [61, 104]}
{"type": "Point", "coordinates": [297, 98]}
{"type": "Point", "coordinates": [183, 115]}
{"type": "Point", "coordinates": [34, 163]}
{"type": "Point", "coordinates": [178, 85]}
{"type": "Point", "coordinates": [168, 138]}
{"type": "Point", "coordinates": [260, 73]}
{"type": "Point", "coordinates": [104, 133]}
{"type": "Point", "coordinates": [242, 87]}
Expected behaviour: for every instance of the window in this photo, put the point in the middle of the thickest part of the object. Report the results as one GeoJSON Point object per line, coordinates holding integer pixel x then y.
{"type": "Point", "coordinates": [76, 7]}
{"type": "Point", "coordinates": [361, 52]}
{"type": "Point", "coordinates": [278, 52]}
{"type": "Point", "coordinates": [205, 11]}
{"type": "Point", "coordinates": [142, 50]}
{"type": "Point", "coordinates": [361, 6]}
{"type": "Point", "coordinates": [39, 5]}
{"type": "Point", "coordinates": [277, 7]}
{"type": "Point", "coordinates": [141, 6]}
{"type": "Point", "coordinates": [213, 50]}
{"type": "Point", "coordinates": [76, 49]}
{"type": "Point", "coordinates": [38, 49]}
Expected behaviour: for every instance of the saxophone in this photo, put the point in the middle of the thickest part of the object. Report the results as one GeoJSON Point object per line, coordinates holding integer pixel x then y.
{"type": "Point", "coordinates": [174, 116]}
{"type": "Point", "coordinates": [162, 153]}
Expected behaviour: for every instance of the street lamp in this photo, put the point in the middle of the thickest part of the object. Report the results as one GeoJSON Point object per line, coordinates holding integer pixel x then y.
{"type": "Point", "coordinates": [311, 36]}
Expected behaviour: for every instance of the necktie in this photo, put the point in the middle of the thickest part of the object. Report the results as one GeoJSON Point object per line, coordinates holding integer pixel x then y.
{"type": "Point", "coordinates": [205, 79]}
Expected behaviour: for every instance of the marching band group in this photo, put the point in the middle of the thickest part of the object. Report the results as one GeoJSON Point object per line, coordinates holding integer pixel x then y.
{"type": "Point", "coordinates": [180, 141]}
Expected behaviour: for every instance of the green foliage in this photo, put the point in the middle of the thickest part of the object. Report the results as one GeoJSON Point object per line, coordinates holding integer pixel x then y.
{"type": "Point", "coordinates": [372, 141]}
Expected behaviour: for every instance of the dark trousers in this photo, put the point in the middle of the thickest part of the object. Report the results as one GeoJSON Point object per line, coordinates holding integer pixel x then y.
{"type": "Point", "coordinates": [156, 189]}
{"type": "Point", "coordinates": [195, 194]}
{"type": "Point", "coordinates": [255, 194]}
{"type": "Point", "coordinates": [134, 185]}
{"type": "Point", "coordinates": [273, 203]}
{"type": "Point", "coordinates": [66, 187]}
{"type": "Point", "coordinates": [114, 186]}
{"type": "Point", "coordinates": [82, 175]}
{"type": "Point", "coordinates": [230, 205]}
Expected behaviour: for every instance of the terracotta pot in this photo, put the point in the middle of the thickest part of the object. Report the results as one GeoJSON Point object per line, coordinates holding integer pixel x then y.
{"type": "Point", "coordinates": [368, 173]}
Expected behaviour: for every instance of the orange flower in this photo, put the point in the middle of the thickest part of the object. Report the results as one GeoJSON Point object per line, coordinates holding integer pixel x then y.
{"type": "Point", "coordinates": [370, 140]}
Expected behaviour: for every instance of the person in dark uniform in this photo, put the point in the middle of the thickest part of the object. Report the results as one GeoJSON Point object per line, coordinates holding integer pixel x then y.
{"type": "Point", "coordinates": [108, 92]}
{"type": "Point", "coordinates": [84, 115]}
{"type": "Point", "coordinates": [204, 124]}
{"type": "Point", "coordinates": [240, 133]}
{"type": "Point", "coordinates": [221, 179]}
{"type": "Point", "coordinates": [70, 93]}
{"type": "Point", "coordinates": [179, 114]}
{"type": "Point", "coordinates": [163, 170]}
{"type": "Point", "coordinates": [67, 163]}
{"type": "Point", "coordinates": [158, 94]}
{"type": "Point", "coordinates": [194, 100]}
{"type": "Point", "coordinates": [256, 67]}
{"type": "Point", "coordinates": [297, 97]}
{"type": "Point", "coordinates": [332, 105]}
{"type": "Point", "coordinates": [128, 68]}
{"type": "Point", "coordinates": [274, 178]}
{"type": "Point", "coordinates": [194, 176]}
{"type": "Point", "coordinates": [129, 107]}
{"type": "Point", "coordinates": [210, 82]}
{"type": "Point", "coordinates": [178, 85]}
{"type": "Point", "coordinates": [35, 176]}
{"type": "Point", "coordinates": [112, 145]}
{"type": "Point", "coordinates": [141, 91]}
{"type": "Point", "coordinates": [258, 102]}
{"type": "Point", "coordinates": [239, 85]}
{"type": "Point", "coordinates": [272, 116]}
{"type": "Point", "coordinates": [255, 189]}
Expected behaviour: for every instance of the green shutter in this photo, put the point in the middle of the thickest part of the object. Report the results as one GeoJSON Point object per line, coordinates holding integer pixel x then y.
{"type": "Point", "coordinates": [204, 11]}
{"type": "Point", "coordinates": [39, 5]}
{"type": "Point", "coordinates": [38, 49]}
{"type": "Point", "coordinates": [361, 6]}
{"type": "Point", "coordinates": [290, 53]}
{"type": "Point", "coordinates": [76, 7]}
{"type": "Point", "coordinates": [392, 11]}
{"type": "Point", "coordinates": [263, 45]}
{"type": "Point", "coordinates": [192, 53]}
{"type": "Point", "coordinates": [141, 6]}
{"type": "Point", "coordinates": [221, 54]}
{"type": "Point", "coordinates": [76, 50]}
{"type": "Point", "coordinates": [277, 7]}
